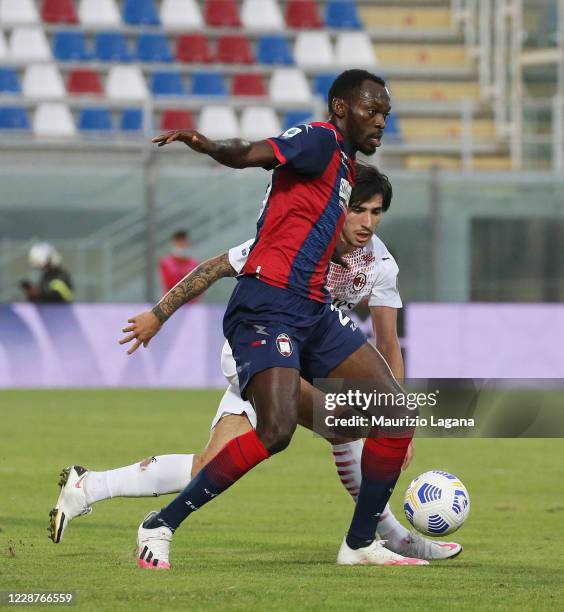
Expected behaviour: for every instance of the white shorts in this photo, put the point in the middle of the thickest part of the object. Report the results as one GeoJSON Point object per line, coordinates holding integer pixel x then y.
{"type": "Point", "coordinates": [232, 402]}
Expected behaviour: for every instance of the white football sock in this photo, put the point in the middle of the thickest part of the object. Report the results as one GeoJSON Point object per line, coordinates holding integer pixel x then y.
{"type": "Point", "coordinates": [151, 477]}
{"type": "Point", "coordinates": [347, 459]}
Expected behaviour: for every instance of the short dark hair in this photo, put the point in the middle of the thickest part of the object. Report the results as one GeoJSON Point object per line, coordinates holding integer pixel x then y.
{"type": "Point", "coordinates": [369, 181]}
{"type": "Point", "coordinates": [180, 235]}
{"type": "Point", "coordinates": [347, 82]}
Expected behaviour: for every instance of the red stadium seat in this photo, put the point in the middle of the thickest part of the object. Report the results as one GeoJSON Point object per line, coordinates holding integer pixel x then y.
{"type": "Point", "coordinates": [84, 82]}
{"type": "Point", "coordinates": [233, 49]}
{"type": "Point", "coordinates": [58, 11]}
{"type": "Point", "coordinates": [193, 49]}
{"type": "Point", "coordinates": [173, 119]}
{"type": "Point", "coordinates": [251, 84]}
{"type": "Point", "coordinates": [222, 14]}
{"type": "Point", "coordinates": [302, 14]}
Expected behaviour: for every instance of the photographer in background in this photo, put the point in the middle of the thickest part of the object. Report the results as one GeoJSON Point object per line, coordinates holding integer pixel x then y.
{"type": "Point", "coordinates": [55, 284]}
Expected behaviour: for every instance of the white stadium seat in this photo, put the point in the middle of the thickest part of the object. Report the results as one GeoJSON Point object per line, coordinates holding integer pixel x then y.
{"type": "Point", "coordinates": [3, 47]}
{"type": "Point", "coordinates": [99, 13]}
{"type": "Point", "coordinates": [181, 15]}
{"type": "Point", "coordinates": [53, 119]}
{"type": "Point", "coordinates": [260, 122]}
{"type": "Point", "coordinates": [18, 12]}
{"type": "Point", "coordinates": [29, 44]}
{"type": "Point", "coordinates": [261, 15]}
{"type": "Point", "coordinates": [218, 122]}
{"type": "Point", "coordinates": [289, 85]}
{"type": "Point", "coordinates": [126, 83]}
{"type": "Point", "coordinates": [313, 49]}
{"type": "Point", "coordinates": [354, 49]}
{"type": "Point", "coordinates": [43, 81]}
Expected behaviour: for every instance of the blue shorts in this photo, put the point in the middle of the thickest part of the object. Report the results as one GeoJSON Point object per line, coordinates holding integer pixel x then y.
{"type": "Point", "coordinates": [268, 327]}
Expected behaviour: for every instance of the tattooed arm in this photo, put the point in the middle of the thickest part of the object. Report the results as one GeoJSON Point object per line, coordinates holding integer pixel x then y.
{"type": "Point", "coordinates": [145, 325]}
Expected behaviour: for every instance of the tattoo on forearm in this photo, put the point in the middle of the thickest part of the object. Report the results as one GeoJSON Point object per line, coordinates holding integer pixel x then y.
{"type": "Point", "coordinates": [193, 285]}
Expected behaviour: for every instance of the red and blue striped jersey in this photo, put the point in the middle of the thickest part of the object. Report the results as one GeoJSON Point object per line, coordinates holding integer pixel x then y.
{"type": "Point", "coordinates": [304, 210]}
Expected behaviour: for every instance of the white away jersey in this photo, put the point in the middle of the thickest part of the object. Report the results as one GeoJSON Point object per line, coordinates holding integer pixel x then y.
{"type": "Point", "coordinates": [372, 274]}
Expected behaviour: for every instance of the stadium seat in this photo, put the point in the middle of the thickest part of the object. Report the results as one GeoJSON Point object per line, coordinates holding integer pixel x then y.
{"type": "Point", "coordinates": [218, 122]}
{"type": "Point", "coordinates": [94, 120]}
{"type": "Point", "coordinates": [289, 85]}
{"type": "Point", "coordinates": [322, 84]}
{"type": "Point", "coordinates": [313, 49]}
{"type": "Point", "coordinates": [70, 46]}
{"type": "Point", "coordinates": [111, 47]}
{"type": "Point", "coordinates": [248, 84]}
{"type": "Point", "coordinates": [18, 12]}
{"type": "Point", "coordinates": [342, 14]}
{"type": "Point", "coordinates": [29, 44]}
{"type": "Point", "coordinates": [222, 14]}
{"type": "Point", "coordinates": [126, 83]}
{"type": "Point", "coordinates": [260, 122]}
{"type": "Point", "coordinates": [3, 47]}
{"type": "Point", "coordinates": [274, 50]}
{"type": "Point", "coordinates": [181, 15]}
{"type": "Point", "coordinates": [43, 81]}
{"type": "Point", "coordinates": [173, 119]}
{"type": "Point", "coordinates": [13, 118]}
{"type": "Point", "coordinates": [233, 49]}
{"type": "Point", "coordinates": [58, 11]}
{"type": "Point", "coordinates": [167, 84]}
{"type": "Point", "coordinates": [153, 48]}
{"type": "Point", "coordinates": [294, 118]}
{"type": "Point", "coordinates": [53, 119]}
{"type": "Point", "coordinates": [208, 84]}
{"type": "Point", "coordinates": [131, 120]}
{"type": "Point", "coordinates": [99, 13]}
{"type": "Point", "coordinates": [9, 82]}
{"type": "Point", "coordinates": [140, 12]}
{"type": "Point", "coordinates": [83, 81]}
{"type": "Point", "coordinates": [193, 49]}
{"type": "Point", "coordinates": [261, 15]}
{"type": "Point", "coordinates": [302, 14]}
{"type": "Point", "coordinates": [354, 50]}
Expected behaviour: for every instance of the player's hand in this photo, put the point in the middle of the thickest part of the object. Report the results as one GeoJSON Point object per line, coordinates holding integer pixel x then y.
{"type": "Point", "coordinates": [143, 327]}
{"type": "Point", "coordinates": [192, 138]}
{"type": "Point", "coordinates": [408, 456]}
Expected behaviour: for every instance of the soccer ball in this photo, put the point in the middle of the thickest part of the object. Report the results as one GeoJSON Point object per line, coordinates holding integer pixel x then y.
{"type": "Point", "coordinates": [436, 503]}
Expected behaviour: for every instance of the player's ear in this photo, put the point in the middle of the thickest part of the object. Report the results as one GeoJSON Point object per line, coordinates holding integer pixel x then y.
{"type": "Point", "coordinates": [339, 107]}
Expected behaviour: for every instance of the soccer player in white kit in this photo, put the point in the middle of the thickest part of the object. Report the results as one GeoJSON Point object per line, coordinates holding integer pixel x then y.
{"type": "Point", "coordinates": [370, 272]}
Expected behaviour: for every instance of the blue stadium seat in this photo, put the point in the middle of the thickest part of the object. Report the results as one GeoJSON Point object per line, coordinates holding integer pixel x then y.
{"type": "Point", "coordinates": [208, 84]}
{"type": "Point", "coordinates": [297, 117]}
{"type": "Point", "coordinates": [322, 83]}
{"type": "Point", "coordinates": [13, 118]}
{"type": "Point", "coordinates": [9, 82]}
{"type": "Point", "coordinates": [140, 12]}
{"type": "Point", "coordinates": [69, 46]}
{"type": "Point", "coordinates": [111, 47]}
{"type": "Point", "coordinates": [153, 48]}
{"type": "Point", "coordinates": [274, 50]}
{"type": "Point", "coordinates": [342, 14]}
{"type": "Point", "coordinates": [392, 127]}
{"type": "Point", "coordinates": [95, 120]}
{"type": "Point", "coordinates": [167, 84]}
{"type": "Point", "coordinates": [131, 120]}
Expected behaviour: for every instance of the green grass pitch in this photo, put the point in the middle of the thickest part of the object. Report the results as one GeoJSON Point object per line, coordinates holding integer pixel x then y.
{"type": "Point", "coordinates": [271, 541]}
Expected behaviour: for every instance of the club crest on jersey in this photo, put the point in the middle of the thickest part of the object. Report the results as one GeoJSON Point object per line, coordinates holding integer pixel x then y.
{"type": "Point", "coordinates": [345, 191]}
{"type": "Point", "coordinates": [359, 281]}
{"type": "Point", "coordinates": [284, 345]}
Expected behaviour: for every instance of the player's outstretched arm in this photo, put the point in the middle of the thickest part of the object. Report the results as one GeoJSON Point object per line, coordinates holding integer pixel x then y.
{"type": "Point", "coordinates": [235, 152]}
{"type": "Point", "coordinates": [147, 324]}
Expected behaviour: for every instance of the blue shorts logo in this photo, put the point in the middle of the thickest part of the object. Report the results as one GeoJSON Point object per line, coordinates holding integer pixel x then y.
{"type": "Point", "coordinates": [284, 345]}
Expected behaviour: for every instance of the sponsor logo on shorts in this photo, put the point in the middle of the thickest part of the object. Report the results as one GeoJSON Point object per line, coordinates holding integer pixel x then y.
{"type": "Point", "coordinates": [284, 345]}
{"type": "Point", "coordinates": [359, 281]}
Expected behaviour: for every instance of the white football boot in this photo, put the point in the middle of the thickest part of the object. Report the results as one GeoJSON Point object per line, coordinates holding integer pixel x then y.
{"type": "Point", "coordinates": [153, 546]}
{"type": "Point", "coordinates": [415, 545]}
{"type": "Point", "coordinates": [71, 502]}
{"type": "Point", "coordinates": [375, 554]}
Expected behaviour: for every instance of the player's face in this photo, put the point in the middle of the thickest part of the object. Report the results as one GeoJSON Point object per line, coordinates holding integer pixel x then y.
{"type": "Point", "coordinates": [367, 112]}
{"type": "Point", "coordinates": [362, 220]}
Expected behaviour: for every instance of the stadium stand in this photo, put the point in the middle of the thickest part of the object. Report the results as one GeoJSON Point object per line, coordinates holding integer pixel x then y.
{"type": "Point", "coordinates": [3, 47]}
{"type": "Point", "coordinates": [289, 86]}
{"type": "Point", "coordinates": [153, 48]}
{"type": "Point", "coordinates": [13, 118]}
{"type": "Point", "coordinates": [53, 119]}
{"type": "Point", "coordinates": [167, 84]}
{"type": "Point", "coordinates": [84, 81]}
{"type": "Point", "coordinates": [70, 46]}
{"type": "Point", "coordinates": [131, 120]}
{"type": "Point", "coordinates": [259, 122]}
{"type": "Point", "coordinates": [99, 14]}
{"type": "Point", "coordinates": [193, 49]}
{"type": "Point", "coordinates": [18, 12]}
{"type": "Point", "coordinates": [9, 81]}
{"type": "Point", "coordinates": [28, 44]}
{"type": "Point", "coordinates": [261, 15]}
{"type": "Point", "coordinates": [176, 119]}
{"type": "Point", "coordinates": [219, 122]}
{"type": "Point", "coordinates": [111, 47]}
{"type": "Point", "coordinates": [43, 81]}
{"type": "Point", "coordinates": [181, 15]}
{"type": "Point", "coordinates": [140, 12]}
{"type": "Point", "coordinates": [126, 83]}
{"type": "Point", "coordinates": [248, 84]}
{"type": "Point", "coordinates": [234, 49]}
{"type": "Point", "coordinates": [208, 84]}
{"type": "Point", "coordinates": [302, 14]}
{"type": "Point", "coordinates": [222, 14]}
{"type": "Point", "coordinates": [58, 11]}
{"type": "Point", "coordinates": [94, 120]}
{"type": "Point", "coordinates": [342, 14]}
{"type": "Point", "coordinates": [274, 49]}
{"type": "Point", "coordinates": [313, 50]}
{"type": "Point", "coordinates": [293, 118]}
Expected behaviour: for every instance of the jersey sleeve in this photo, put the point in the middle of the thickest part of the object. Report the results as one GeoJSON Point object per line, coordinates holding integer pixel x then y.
{"type": "Point", "coordinates": [306, 148]}
{"type": "Point", "coordinates": [238, 255]}
{"type": "Point", "coordinates": [385, 291]}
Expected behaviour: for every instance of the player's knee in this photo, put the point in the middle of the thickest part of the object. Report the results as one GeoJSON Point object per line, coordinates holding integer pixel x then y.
{"type": "Point", "coordinates": [277, 436]}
